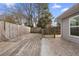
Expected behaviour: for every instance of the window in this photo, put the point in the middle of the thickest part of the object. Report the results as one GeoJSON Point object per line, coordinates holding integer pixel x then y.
{"type": "Point", "coordinates": [74, 26]}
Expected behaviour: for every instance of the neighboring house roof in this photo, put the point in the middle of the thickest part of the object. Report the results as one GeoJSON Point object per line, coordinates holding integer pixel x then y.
{"type": "Point", "coordinates": [73, 10]}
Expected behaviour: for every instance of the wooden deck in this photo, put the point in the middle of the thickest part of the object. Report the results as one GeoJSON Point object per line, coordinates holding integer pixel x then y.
{"type": "Point", "coordinates": [26, 46]}
{"type": "Point", "coordinates": [58, 47]}
{"type": "Point", "coordinates": [34, 45]}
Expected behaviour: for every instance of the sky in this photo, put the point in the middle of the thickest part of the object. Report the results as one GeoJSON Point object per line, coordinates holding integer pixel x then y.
{"type": "Point", "coordinates": [58, 8]}
{"type": "Point", "coordinates": [55, 9]}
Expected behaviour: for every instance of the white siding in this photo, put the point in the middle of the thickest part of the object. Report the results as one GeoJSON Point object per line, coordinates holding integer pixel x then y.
{"type": "Point", "coordinates": [65, 31]}
{"type": "Point", "coordinates": [65, 28]}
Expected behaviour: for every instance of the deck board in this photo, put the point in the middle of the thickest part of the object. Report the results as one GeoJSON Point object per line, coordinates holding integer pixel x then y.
{"type": "Point", "coordinates": [35, 45]}
{"type": "Point", "coordinates": [58, 47]}
{"type": "Point", "coordinates": [26, 46]}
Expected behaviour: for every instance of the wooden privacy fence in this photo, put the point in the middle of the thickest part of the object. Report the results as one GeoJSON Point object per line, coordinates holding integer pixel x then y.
{"type": "Point", "coordinates": [46, 31]}
{"type": "Point", "coordinates": [12, 31]}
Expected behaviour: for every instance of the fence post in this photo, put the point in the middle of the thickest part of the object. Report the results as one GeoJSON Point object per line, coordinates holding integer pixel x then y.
{"type": "Point", "coordinates": [42, 32]}
{"type": "Point", "coordinates": [54, 35]}
{"type": "Point", "coordinates": [4, 25]}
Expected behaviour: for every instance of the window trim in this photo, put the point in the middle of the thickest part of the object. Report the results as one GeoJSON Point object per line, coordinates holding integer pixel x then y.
{"type": "Point", "coordinates": [72, 26]}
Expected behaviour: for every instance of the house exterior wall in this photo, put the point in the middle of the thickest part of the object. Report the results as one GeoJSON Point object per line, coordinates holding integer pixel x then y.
{"type": "Point", "coordinates": [65, 31]}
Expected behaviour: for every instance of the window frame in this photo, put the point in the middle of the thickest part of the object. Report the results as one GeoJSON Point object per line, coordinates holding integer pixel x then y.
{"type": "Point", "coordinates": [71, 18]}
